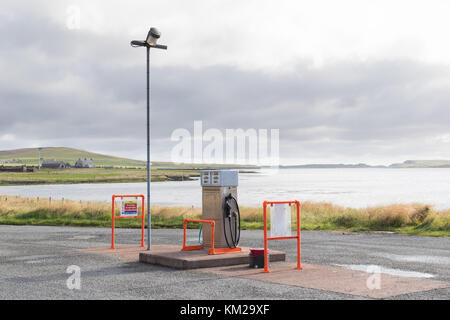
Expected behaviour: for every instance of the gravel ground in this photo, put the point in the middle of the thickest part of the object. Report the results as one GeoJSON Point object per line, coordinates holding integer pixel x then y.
{"type": "Point", "coordinates": [33, 263]}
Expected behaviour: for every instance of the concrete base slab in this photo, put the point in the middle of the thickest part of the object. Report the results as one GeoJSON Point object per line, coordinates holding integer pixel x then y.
{"type": "Point", "coordinates": [328, 278]}
{"type": "Point", "coordinates": [334, 279]}
{"type": "Point", "coordinates": [127, 253]}
{"type": "Point", "coordinates": [171, 256]}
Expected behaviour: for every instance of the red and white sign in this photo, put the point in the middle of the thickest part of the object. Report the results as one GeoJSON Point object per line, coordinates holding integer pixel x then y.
{"type": "Point", "coordinates": [129, 208]}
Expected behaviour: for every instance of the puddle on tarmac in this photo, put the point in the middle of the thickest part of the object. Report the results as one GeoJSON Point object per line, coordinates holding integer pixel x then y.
{"type": "Point", "coordinates": [39, 261]}
{"type": "Point", "coordinates": [82, 237]}
{"type": "Point", "coordinates": [370, 268]}
{"type": "Point", "coordinates": [415, 258]}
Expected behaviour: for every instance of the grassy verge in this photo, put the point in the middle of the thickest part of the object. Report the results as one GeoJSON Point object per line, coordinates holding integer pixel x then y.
{"type": "Point", "coordinates": [94, 175]}
{"type": "Point", "coordinates": [416, 219]}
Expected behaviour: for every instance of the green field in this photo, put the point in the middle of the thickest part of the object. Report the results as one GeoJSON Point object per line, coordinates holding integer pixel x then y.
{"type": "Point", "coordinates": [29, 156]}
{"type": "Point", "coordinates": [108, 169]}
{"type": "Point", "coordinates": [93, 175]}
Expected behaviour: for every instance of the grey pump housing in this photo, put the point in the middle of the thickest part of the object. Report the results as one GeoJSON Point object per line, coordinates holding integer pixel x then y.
{"type": "Point", "coordinates": [219, 178]}
{"type": "Point", "coordinates": [216, 186]}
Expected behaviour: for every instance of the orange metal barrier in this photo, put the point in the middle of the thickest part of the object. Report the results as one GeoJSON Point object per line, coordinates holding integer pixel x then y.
{"type": "Point", "coordinates": [271, 203]}
{"type": "Point", "coordinates": [212, 250]}
{"type": "Point", "coordinates": [131, 217]}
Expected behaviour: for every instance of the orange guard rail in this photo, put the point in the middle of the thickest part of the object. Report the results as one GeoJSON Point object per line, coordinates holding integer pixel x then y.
{"type": "Point", "coordinates": [113, 218]}
{"type": "Point", "coordinates": [212, 250]}
{"type": "Point", "coordinates": [298, 236]}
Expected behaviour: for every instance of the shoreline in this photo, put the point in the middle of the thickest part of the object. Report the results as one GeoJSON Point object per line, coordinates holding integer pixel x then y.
{"type": "Point", "coordinates": [93, 176]}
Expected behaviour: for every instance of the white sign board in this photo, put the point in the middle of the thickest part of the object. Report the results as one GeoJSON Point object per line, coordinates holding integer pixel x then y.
{"type": "Point", "coordinates": [280, 220]}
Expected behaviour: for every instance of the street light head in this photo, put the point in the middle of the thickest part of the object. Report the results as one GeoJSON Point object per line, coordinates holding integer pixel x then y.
{"type": "Point", "coordinates": [138, 43]}
{"type": "Point", "coordinates": [153, 36]}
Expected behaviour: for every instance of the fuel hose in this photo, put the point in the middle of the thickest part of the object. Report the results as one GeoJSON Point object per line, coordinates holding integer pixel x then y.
{"type": "Point", "coordinates": [232, 218]}
{"type": "Point", "coordinates": [200, 234]}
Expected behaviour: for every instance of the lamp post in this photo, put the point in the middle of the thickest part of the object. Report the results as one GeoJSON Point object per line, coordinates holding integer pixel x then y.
{"type": "Point", "coordinates": [151, 42]}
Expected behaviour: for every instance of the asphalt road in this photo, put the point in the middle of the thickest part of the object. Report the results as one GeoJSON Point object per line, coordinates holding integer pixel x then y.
{"type": "Point", "coordinates": [33, 263]}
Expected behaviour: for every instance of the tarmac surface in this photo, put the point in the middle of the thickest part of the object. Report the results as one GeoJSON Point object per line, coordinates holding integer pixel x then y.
{"type": "Point", "coordinates": [34, 261]}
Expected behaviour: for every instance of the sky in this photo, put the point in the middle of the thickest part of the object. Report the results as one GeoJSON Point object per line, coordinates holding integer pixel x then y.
{"type": "Point", "coordinates": [343, 81]}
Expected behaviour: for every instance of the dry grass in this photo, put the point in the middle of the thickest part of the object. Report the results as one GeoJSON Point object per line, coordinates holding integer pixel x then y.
{"type": "Point", "coordinates": [176, 212]}
{"type": "Point", "coordinates": [389, 217]}
{"type": "Point", "coordinates": [412, 218]}
{"type": "Point", "coordinates": [12, 205]}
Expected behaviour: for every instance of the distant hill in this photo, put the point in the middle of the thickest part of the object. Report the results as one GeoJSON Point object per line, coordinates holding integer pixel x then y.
{"type": "Point", "coordinates": [332, 166]}
{"type": "Point", "coordinates": [422, 164]}
{"type": "Point", "coordinates": [30, 156]}
{"type": "Point", "coordinates": [405, 164]}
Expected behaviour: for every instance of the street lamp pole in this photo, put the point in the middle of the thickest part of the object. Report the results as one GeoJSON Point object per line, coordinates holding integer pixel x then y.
{"type": "Point", "coordinates": [151, 42]}
{"type": "Point", "coordinates": [149, 216]}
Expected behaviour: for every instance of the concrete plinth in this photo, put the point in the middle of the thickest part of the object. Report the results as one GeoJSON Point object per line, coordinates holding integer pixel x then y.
{"type": "Point", "coordinates": [171, 256]}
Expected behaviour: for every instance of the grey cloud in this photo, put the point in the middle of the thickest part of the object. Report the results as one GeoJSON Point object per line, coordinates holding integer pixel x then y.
{"type": "Point", "coordinates": [76, 89]}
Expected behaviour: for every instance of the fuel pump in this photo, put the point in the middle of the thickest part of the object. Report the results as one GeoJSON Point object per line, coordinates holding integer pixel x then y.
{"type": "Point", "coordinates": [219, 203]}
